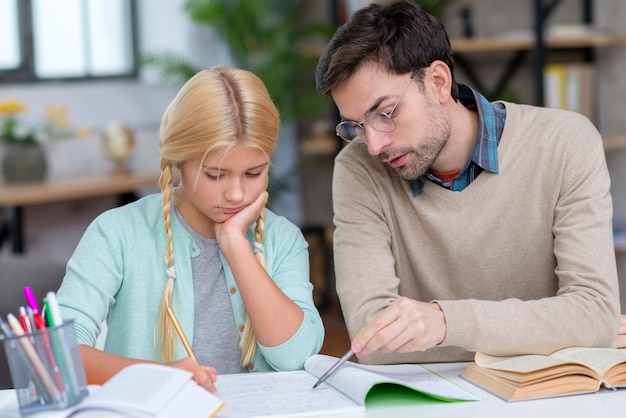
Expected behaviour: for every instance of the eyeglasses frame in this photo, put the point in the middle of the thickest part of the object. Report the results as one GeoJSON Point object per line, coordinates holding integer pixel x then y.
{"type": "Point", "coordinates": [368, 114]}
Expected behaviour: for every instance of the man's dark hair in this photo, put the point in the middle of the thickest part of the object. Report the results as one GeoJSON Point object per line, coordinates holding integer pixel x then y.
{"type": "Point", "coordinates": [399, 37]}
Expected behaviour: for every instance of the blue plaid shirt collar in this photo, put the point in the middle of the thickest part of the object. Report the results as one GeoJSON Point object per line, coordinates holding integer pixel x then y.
{"type": "Point", "coordinates": [491, 117]}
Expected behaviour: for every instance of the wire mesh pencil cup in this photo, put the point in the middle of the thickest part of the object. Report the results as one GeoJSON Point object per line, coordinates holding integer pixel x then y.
{"type": "Point", "coordinates": [46, 369]}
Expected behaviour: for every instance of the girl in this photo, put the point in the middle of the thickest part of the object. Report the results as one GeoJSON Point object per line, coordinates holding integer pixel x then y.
{"type": "Point", "coordinates": [201, 270]}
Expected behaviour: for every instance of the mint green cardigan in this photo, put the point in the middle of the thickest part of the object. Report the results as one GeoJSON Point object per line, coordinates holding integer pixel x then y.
{"type": "Point", "coordinates": [117, 274]}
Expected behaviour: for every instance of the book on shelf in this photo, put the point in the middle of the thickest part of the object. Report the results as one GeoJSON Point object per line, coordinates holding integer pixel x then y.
{"type": "Point", "coordinates": [345, 392]}
{"type": "Point", "coordinates": [569, 371]}
{"type": "Point", "coordinates": [570, 86]}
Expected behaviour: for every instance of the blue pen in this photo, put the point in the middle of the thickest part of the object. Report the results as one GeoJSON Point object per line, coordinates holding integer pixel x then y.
{"type": "Point", "coordinates": [4, 328]}
{"type": "Point", "coordinates": [31, 316]}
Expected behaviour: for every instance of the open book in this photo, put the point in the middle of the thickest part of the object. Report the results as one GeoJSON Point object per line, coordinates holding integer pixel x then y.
{"type": "Point", "coordinates": [292, 394]}
{"type": "Point", "coordinates": [565, 372]}
{"type": "Point", "coordinates": [147, 390]}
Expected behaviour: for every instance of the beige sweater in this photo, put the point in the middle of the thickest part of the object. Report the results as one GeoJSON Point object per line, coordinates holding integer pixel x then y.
{"type": "Point", "coordinates": [520, 262]}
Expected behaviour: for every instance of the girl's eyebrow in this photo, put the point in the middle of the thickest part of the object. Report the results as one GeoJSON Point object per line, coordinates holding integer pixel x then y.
{"type": "Point", "coordinates": [206, 167]}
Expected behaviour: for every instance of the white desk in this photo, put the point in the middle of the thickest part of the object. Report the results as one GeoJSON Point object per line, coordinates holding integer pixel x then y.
{"type": "Point", "coordinates": [606, 404]}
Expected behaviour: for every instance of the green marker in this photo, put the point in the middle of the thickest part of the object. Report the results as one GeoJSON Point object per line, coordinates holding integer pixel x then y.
{"type": "Point", "coordinates": [48, 318]}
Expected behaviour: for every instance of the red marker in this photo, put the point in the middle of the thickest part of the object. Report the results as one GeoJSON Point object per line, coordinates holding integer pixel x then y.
{"type": "Point", "coordinates": [25, 321]}
{"type": "Point", "coordinates": [38, 321]}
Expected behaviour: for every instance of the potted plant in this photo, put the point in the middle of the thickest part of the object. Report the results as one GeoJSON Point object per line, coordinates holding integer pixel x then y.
{"type": "Point", "coordinates": [24, 158]}
{"type": "Point", "coordinates": [269, 38]}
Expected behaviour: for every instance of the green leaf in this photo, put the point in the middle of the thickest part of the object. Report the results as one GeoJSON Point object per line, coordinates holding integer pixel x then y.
{"type": "Point", "coordinates": [173, 69]}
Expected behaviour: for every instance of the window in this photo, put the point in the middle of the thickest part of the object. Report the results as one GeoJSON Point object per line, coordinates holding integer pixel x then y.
{"type": "Point", "coordinates": [10, 51]}
{"type": "Point", "coordinates": [66, 39]}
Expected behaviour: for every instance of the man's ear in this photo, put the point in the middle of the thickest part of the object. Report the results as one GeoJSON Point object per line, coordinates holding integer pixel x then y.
{"type": "Point", "coordinates": [439, 79]}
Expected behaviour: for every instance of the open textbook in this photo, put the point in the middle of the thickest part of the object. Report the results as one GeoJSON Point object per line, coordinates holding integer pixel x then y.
{"type": "Point", "coordinates": [565, 372]}
{"type": "Point", "coordinates": [292, 394]}
{"type": "Point", "coordinates": [145, 390]}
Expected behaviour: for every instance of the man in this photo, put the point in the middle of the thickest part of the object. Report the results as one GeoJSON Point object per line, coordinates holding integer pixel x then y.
{"type": "Point", "coordinates": [461, 225]}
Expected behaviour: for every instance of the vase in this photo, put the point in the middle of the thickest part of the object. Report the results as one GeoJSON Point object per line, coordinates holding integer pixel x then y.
{"type": "Point", "coordinates": [24, 163]}
{"type": "Point", "coordinates": [118, 144]}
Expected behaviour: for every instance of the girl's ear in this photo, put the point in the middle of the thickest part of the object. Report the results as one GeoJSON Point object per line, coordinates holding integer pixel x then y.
{"type": "Point", "coordinates": [439, 79]}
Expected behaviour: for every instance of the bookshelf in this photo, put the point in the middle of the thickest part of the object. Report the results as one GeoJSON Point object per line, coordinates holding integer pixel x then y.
{"type": "Point", "coordinates": [540, 42]}
{"type": "Point", "coordinates": [580, 37]}
{"type": "Point", "coordinates": [614, 142]}
{"type": "Point", "coordinates": [589, 39]}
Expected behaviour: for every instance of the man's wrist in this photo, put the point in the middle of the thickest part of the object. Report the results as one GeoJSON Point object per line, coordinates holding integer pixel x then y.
{"type": "Point", "coordinates": [442, 323]}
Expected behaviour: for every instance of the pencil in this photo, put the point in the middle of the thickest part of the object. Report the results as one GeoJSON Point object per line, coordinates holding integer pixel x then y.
{"type": "Point", "coordinates": [181, 334]}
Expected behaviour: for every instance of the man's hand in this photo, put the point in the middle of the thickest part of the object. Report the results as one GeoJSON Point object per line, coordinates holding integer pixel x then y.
{"type": "Point", "coordinates": [205, 376]}
{"type": "Point", "coordinates": [404, 327]}
{"type": "Point", "coordinates": [620, 339]}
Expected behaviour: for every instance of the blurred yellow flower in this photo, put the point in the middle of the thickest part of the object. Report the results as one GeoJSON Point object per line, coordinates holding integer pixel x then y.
{"type": "Point", "coordinates": [53, 126]}
{"type": "Point", "coordinates": [12, 106]}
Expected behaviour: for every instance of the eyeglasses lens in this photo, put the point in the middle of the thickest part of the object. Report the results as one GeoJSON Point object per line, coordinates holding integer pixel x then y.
{"type": "Point", "coordinates": [349, 130]}
{"type": "Point", "coordinates": [353, 130]}
{"type": "Point", "coordinates": [381, 122]}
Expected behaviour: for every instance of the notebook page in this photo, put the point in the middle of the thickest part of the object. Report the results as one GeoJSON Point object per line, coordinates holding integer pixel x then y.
{"type": "Point", "coordinates": [355, 380]}
{"type": "Point", "coordinates": [276, 394]}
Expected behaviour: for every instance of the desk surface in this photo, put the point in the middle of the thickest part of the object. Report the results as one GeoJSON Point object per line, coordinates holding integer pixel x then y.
{"type": "Point", "coordinates": [76, 187]}
{"type": "Point", "coordinates": [608, 404]}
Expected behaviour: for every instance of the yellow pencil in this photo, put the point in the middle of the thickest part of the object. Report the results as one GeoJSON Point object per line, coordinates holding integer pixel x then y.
{"type": "Point", "coordinates": [181, 334]}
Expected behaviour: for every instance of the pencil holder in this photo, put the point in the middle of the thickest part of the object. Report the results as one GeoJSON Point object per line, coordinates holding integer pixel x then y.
{"type": "Point", "coordinates": [46, 369]}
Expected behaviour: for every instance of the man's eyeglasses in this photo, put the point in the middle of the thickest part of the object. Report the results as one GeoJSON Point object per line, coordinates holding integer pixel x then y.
{"type": "Point", "coordinates": [380, 121]}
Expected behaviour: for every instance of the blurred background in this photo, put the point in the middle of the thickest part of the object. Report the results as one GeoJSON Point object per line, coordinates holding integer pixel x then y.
{"type": "Point", "coordinates": [117, 63]}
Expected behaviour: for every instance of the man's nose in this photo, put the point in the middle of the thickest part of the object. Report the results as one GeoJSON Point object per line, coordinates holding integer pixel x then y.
{"type": "Point", "coordinates": [376, 141]}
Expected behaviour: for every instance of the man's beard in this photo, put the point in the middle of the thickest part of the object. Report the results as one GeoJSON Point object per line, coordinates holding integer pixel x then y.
{"type": "Point", "coordinates": [420, 158]}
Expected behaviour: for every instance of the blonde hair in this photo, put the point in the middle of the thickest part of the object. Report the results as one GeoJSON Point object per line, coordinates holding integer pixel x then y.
{"type": "Point", "coordinates": [215, 109]}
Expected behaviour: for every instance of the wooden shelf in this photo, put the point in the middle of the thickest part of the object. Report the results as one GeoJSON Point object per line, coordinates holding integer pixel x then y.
{"type": "Point", "coordinates": [516, 43]}
{"type": "Point", "coordinates": [76, 187]}
{"type": "Point", "coordinates": [614, 142]}
{"type": "Point", "coordinates": [586, 40]}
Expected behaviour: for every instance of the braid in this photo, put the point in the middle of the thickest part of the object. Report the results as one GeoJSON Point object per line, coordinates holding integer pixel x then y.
{"type": "Point", "coordinates": [248, 339]}
{"type": "Point", "coordinates": [216, 109]}
{"type": "Point", "coordinates": [165, 329]}
{"type": "Point", "coordinates": [259, 234]}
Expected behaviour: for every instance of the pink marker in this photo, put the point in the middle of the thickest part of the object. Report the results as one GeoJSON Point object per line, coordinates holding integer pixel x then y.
{"type": "Point", "coordinates": [30, 298]}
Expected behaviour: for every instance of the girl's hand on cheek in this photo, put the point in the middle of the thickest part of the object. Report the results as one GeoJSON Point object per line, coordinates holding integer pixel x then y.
{"type": "Point", "coordinates": [237, 225]}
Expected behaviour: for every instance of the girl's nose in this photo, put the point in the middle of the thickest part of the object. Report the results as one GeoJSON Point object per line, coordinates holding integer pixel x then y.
{"type": "Point", "coordinates": [234, 191]}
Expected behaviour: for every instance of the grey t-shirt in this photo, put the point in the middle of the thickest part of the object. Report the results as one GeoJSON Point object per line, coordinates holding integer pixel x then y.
{"type": "Point", "coordinates": [215, 335]}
